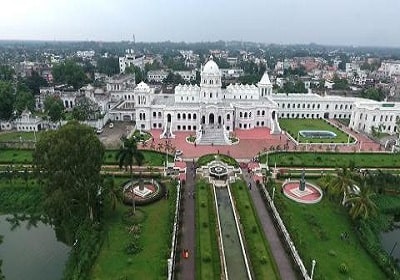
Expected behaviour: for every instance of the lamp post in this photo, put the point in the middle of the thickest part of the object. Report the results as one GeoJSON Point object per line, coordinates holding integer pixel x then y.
{"type": "Point", "coordinates": [312, 268]}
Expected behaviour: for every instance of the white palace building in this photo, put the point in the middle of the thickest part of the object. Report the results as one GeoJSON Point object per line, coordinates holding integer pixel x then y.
{"type": "Point", "coordinates": [212, 112]}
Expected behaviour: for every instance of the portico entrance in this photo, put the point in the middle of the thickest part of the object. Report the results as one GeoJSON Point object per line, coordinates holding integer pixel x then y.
{"type": "Point", "coordinates": [211, 118]}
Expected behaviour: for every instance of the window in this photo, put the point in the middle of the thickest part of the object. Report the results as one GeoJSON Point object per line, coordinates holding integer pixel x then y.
{"type": "Point", "coordinates": [159, 114]}
{"type": "Point", "coordinates": [263, 112]}
{"type": "Point", "coordinates": [179, 127]}
{"type": "Point", "coordinates": [154, 125]}
{"type": "Point", "coordinates": [245, 114]}
{"type": "Point", "coordinates": [241, 114]}
{"type": "Point", "coordinates": [258, 112]}
{"type": "Point", "coordinates": [184, 116]}
{"type": "Point", "coordinates": [228, 117]}
{"type": "Point", "coordinates": [154, 114]}
{"type": "Point", "coordinates": [210, 94]}
{"type": "Point", "coordinates": [194, 127]}
{"type": "Point", "coordinates": [179, 116]}
{"type": "Point", "coordinates": [189, 116]}
{"type": "Point", "coordinates": [194, 116]}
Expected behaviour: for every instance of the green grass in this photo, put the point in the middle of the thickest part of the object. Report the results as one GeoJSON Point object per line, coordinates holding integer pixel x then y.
{"type": "Point", "coordinates": [203, 160]}
{"type": "Point", "coordinates": [302, 159]}
{"type": "Point", "coordinates": [207, 253]}
{"type": "Point", "coordinates": [18, 136]}
{"type": "Point", "coordinates": [316, 230]}
{"type": "Point", "coordinates": [151, 158]}
{"type": "Point", "coordinates": [293, 126]}
{"type": "Point", "coordinates": [262, 261]}
{"type": "Point", "coordinates": [151, 263]}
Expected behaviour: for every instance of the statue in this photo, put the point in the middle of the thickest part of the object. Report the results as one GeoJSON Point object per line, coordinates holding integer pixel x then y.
{"type": "Point", "coordinates": [302, 185]}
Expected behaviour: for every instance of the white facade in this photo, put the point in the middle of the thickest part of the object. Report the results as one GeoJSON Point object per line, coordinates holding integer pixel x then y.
{"type": "Point", "coordinates": [130, 59]}
{"type": "Point", "coordinates": [390, 68]}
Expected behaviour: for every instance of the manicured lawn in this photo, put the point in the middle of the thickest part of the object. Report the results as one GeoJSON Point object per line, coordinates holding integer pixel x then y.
{"type": "Point", "coordinates": [316, 230]}
{"type": "Point", "coordinates": [262, 261]}
{"type": "Point", "coordinates": [207, 253]}
{"type": "Point", "coordinates": [151, 158]}
{"type": "Point", "coordinates": [301, 159]}
{"type": "Point", "coordinates": [203, 160]}
{"type": "Point", "coordinates": [18, 136]}
{"type": "Point", "coordinates": [293, 126]}
{"type": "Point", "coordinates": [15, 156]}
{"type": "Point", "coordinates": [151, 263]}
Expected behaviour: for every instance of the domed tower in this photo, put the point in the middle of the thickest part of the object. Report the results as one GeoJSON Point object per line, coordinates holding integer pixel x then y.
{"type": "Point", "coordinates": [264, 85]}
{"type": "Point", "coordinates": [210, 84]}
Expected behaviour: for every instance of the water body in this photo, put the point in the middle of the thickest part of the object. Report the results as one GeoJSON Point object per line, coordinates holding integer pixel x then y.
{"type": "Point", "coordinates": [235, 263]}
{"type": "Point", "coordinates": [389, 239]}
{"type": "Point", "coordinates": [32, 253]}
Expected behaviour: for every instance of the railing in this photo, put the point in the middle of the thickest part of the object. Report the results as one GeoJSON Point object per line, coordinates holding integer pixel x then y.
{"type": "Point", "coordinates": [295, 255]}
{"type": "Point", "coordinates": [172, 259]}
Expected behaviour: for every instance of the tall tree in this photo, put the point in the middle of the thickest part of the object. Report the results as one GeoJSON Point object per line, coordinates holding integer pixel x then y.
{"type": "Point", "coordinates": [35, 82]}
{"type": "Point", "coordinates": [139, 75]}
{"type": "Point", "coordinates": [361, 203]}
{"type": "Point", "coordinates": [108, 65]}
{"type": "Point", "coordinates": [6, 100]}
{"type": "Point", "coordinates": [69, 73]}
{"type": "Point", "coordinates": [342, 183]}
{"type": "Point", "coordinates": [70, 160]}
{"type": "Point", "coordinates": [6, 73]}
{"type": "Point", "coordinates": [129, 154]}
{"type": "Point", "coordinates": [54, 108]}
{"type": "Point", "coordinates": [24, 100]}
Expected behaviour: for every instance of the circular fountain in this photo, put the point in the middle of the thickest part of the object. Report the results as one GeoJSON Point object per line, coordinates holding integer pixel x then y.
{"type": "Point", "coordinates": [302, 191]}
{"type": "Point", "coordinates": [218, 170]}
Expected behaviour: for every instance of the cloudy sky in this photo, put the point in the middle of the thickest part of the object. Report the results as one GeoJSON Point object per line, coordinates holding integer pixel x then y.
{"type": "Point", "coordinates": [344, 22]}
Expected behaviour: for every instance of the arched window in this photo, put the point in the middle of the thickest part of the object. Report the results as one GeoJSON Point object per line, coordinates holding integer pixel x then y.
{"type": "Point", "coordinates": [241, 114]}
{"type": "Point", "coordinates": [228, 117]}
{"type": "Point", "coordinates": [194, 116]}
{"type": "Point", "coordinates": [179, 116]}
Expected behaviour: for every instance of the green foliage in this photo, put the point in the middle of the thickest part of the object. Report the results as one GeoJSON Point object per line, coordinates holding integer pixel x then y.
{"type": "Point", "coordinates": [129, 154]}
{"type": "Point", "coordinates": [108, 65]}
{"type": "Point", "coordinates": [340, 84]}
{"type": "Point", "coordinates": [174, 79]}
{"type": "Point", "coordinates": [35, 82]}
{"type": "Point", "coordinates": [54, 108]}
{"type": "Point", "coordinates": [203, 160]}
{"type": "Point", "coordinates": [86, 109]}
{"type": "Point", "coordinates": [373, 93]}
{"type": "Point", "coordinates": [139, 75]}
{"type": "Point", "coordinates": [24, 100]}
{"type": "Point", "coordinates": [175, 63]}
{"type": "Point", "coordinates": [253, 233]}
{"type": "Point", "coordinates": [293, 87]}
{"type": "Point", "coordinates": [69, 73]}
{"type": "Point", "coordinates": [207, 252]}
{"type": "Point", "coordinates": [69, 161]}
{"type": "Point", "coordinates": [343, 268]}
{"type": "Point", "coordinates": [6, 73]}
{"type": "Point", "coordinates": [6, 100]}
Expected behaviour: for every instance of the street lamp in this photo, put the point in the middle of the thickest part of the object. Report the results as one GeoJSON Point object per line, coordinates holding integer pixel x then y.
{"type": "Point", "coordinates": [312, 268]}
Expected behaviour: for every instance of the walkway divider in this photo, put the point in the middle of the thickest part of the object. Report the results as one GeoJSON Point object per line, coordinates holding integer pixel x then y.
{"type": "Point", "coordinates": [295, 255]}
{"type": "Point", "coordinates": [246, 260]}
{"type": "Point", "coordinates": [221, 242]}
{"type": "Point", "coordinates": [172, 259]}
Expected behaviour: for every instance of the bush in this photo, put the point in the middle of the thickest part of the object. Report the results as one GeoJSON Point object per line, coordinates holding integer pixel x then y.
{"type": "Point", "coordinates": [343, 268]}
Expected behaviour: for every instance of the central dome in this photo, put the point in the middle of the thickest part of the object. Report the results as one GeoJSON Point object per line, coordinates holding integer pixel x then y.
{"type": "Point", "coordinates": [211, 68]}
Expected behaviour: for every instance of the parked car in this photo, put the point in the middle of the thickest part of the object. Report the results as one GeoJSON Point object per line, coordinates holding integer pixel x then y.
{"type": "Point", "coordinates": [99, 131]}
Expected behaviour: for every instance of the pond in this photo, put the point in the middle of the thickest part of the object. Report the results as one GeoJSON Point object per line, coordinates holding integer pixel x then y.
{"type": "Point", "coordinates": [31, 252]}
{"type": "Point", "coordinates": [317, 134]}
{"type": "Point", "coordinates": [391, 241]}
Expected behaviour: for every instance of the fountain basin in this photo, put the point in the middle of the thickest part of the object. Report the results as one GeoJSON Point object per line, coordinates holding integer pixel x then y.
{"type": "Point", "coordinates": [311, 194]}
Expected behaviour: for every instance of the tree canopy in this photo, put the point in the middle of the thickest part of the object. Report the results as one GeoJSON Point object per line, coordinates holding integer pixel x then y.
{"type": "Point", "coordinates": [69, 73]}
{"type": "Point", "coordinates": [86, 109]}
{"type": "Point", "coordinates": [108, 65]}
{"type": "Point", "coordinates": [139, 75]}
{"type": "Point", "coordinates": [54, 108]}
{"type": "Point", "coordinates": [6, 100]}
{"type": "Point", "coordinates": [69, 162]}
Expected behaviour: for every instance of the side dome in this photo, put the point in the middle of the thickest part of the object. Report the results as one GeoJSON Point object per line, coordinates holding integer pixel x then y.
{"type": "Point", "coordinates": [211, 68]}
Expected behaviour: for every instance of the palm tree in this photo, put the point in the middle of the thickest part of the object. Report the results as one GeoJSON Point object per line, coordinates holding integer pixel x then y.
{"type": "Point", "coordinates": [361, 204]}
{"type": "Point", "coordinates": [129, 153]}
{"type": "Point", "coordinates": [342, 183]}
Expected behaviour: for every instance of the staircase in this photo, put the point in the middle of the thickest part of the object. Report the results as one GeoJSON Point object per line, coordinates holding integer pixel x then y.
{"type": "Point", "coordinates": [213, 136]}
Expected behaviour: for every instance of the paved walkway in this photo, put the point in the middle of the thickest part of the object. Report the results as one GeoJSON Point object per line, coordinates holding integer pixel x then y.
{"type": "Point", "coordinates": [186, 267]}
{"type": "Point", "coordinates": [282, 258]}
